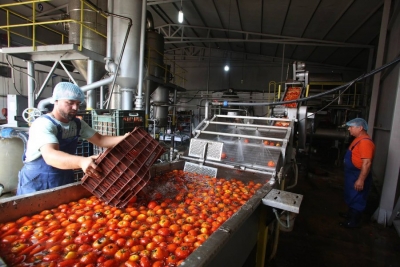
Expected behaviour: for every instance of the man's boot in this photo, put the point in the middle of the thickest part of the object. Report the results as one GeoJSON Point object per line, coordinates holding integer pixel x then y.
{"type": "Point", "coordinates": [354, 219]}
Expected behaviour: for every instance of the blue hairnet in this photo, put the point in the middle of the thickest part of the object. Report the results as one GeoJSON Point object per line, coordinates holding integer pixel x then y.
{"type": "Point", "coordinates": [358, 122]}
{"type": "Point", "coordinates": [69, 91]}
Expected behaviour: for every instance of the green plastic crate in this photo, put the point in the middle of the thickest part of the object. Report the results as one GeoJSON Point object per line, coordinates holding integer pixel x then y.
{"type": "Point", "coordinates": [115, 122]}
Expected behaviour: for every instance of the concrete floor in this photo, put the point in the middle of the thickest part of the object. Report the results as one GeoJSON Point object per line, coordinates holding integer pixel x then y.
{"type": "Point", "coordinates": [318, 240]}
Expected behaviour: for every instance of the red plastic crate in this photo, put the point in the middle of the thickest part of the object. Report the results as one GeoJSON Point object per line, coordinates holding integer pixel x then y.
{"type": "Point", "coordinates": [125, 168]}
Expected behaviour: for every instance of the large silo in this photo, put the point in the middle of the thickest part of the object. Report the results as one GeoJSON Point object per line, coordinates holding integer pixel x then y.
{"type": "Point", "coordinates": [90, 39]}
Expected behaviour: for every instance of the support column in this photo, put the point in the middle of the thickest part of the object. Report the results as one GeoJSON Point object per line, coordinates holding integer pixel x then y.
{"type": "Point", "coordinates": [91, 94]}
{"type": "Point", "coordinates": [31, 83]}
{"type": "Point", "coordinates": [139, 97]}
{"type": "Point", "coordinates": [378, 63]}
{"type": "Point", "coordinates": [391, 179]}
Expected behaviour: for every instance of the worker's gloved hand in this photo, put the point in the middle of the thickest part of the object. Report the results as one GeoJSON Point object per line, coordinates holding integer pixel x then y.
{"type": "Point", "coordinates": [90, 168]}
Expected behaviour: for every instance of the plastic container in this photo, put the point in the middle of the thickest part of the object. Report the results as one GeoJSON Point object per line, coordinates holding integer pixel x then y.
{"type": "Point", "coordinates": [115, 122]}
{"type": "Point", "coordinates": [125, 168]}
{"type": "Point", "coordinates": [84, 148]}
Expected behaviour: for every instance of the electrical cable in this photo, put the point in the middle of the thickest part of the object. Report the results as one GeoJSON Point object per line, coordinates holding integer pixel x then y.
{"type": "Point", "coordinates": [11, 65]}
{"type": "Point", "coordinates": [190, 99]}
{"type": "Point", "coordinates": [373, 72]}
{"type": "Point", "coordinates": [330, 103]}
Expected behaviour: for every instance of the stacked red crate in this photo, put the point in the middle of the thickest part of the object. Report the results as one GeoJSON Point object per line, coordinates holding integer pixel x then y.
{"type": "Point", "coordinates": [125, 168]}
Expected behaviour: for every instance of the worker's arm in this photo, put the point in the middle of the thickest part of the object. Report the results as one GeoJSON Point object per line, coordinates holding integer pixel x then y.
{"type": "Point", "coordinates": [105, 140]}
{"type": "Point", "coordinates": [62, 160]}
{"type": "Point", "coordinates": [365, 168]}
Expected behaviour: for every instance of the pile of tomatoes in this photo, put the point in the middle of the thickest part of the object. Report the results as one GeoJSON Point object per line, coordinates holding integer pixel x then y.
{"type": "Point", "coordinates": [172, 216]}
{"type": "Point", "coordinates": [292, 93]}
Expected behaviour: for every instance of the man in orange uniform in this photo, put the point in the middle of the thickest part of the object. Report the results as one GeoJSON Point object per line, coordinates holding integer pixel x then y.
{"type": "Point", "coordinates": [358, 177]}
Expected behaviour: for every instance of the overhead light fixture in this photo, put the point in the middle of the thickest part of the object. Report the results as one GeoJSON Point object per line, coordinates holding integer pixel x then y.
{"type": "Point", "coordinates": [226, 68]}
{"type": "Point", "coordinates": [180, 14]}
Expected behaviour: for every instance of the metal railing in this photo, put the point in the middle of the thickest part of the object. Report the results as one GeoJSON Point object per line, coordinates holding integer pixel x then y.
{"type": "Point", "coordinates": [33, 23]}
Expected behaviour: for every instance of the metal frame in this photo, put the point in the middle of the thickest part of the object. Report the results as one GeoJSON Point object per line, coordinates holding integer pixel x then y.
{"type": "Point", "coordinates": [175, 34]}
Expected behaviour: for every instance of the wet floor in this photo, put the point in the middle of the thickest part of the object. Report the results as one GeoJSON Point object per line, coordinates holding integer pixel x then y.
{"type": "Point", "coordinates": [318, 240]}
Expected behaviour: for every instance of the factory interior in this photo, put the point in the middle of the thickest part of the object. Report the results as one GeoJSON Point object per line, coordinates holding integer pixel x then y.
{"type": "Point", "coordinates": [234, 118]}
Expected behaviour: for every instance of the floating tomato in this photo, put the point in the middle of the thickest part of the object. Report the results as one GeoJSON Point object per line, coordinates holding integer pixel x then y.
{"type": "Point", "coordinates": [122, 254]}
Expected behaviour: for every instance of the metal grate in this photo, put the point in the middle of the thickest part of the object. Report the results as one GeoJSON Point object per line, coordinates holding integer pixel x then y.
{"type": "Point", "coordinates": [198, 146]}
{"type": "Point", "coordinates": [200, 169]}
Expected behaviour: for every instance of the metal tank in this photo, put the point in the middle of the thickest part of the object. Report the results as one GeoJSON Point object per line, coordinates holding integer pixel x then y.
{"type": "Point", "coordinates": [90, 40]}
{"type": "Point", "coordinates": [12, 151]}
{"type": "Point", "coordinates": [129, 66]}
{"type": "Point", "coordinates": [160, 99]}
{"type": "Point", "coordinates": [156, 69]}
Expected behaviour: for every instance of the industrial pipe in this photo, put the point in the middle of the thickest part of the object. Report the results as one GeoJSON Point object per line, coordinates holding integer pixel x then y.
{"type": "Point", "coordinates": [44, 102]}
{"type": "Point", "coordinates": [139, 96]}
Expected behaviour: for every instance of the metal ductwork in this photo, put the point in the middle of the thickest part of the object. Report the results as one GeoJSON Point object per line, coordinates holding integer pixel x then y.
{"type": "Point", "coordinates": [90, 40]}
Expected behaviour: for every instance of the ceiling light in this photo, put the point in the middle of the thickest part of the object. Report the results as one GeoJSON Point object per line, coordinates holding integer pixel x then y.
{"type": "Point", "coordinates": [180, 16]}
{"type": "Point", "coordinates": [226, 68]}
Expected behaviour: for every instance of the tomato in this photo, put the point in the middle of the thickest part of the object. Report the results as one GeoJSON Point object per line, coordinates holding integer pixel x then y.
{"type": "Point", "coordinates": [81, 239]}
{"type": "Point", "coordinates": [67, 263]}
{"type": "Point", "coordinates": [158, 253]}
{"type": "Point", "coordinates": [54, 239]}
{"type": "Point", "coordinates": [9, 238]}
{"type": "Point", "coordinates": [88, 258]}
{"type": "Point", "coordinates": [144, 240]}
{"type": "Point", "coordinates": [145, 261]}
{"type": "Point", "coordinates": [100, 243]}
{"type": "Point", "coordinates": [71, 255]}
{"type": "Point", "coordinates": [182, 252]}
{"type": "Point", "coordinates": [71, 247]}
{"type": "Point", "coordinates": [50, 229]}
{"type": "Point", "coordinates": [189, 239]}
{"type": "Point", "coordinates": [110, 249]}
{"type": "Point", "coordinates": [172, 260]}
{"type": "Point", "coordinates": [152, 245]}
{"type": "Point", "coordinates": [271, 163]}
{"type": "Point", "coordinates": [67, 240]}
{"type": "Point", "coordinates": [131, 242]}
{"type": "Point", "coordinates": [164, 231]}
{"type": "Point", "coordinates": [137, 248]}
{"type": "Point", "coordinates": [84, 248]}
{"type": "Point", "coordinates": [134, 257]}
{"type": "Point", "coordinates": [131, 264]}
{"type": "Point", "coordinates": [51, 257]}
{"type": "Point", "coordinates": [18, 247]}
{"type": "Point", "coordinates": [120, 242]}
{"type": "Point", "coordinates": [125, 232]}
{"type": "Point", "coordinates": [122, 254]}
{"type": "Point", "coordinates": [123, 223]}
{"type": "Point", "coordinates": [55, 248]}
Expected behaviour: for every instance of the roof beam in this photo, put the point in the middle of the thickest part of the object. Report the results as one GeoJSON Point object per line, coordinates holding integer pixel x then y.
{"type": "Point", "coordinates": [174, 34]}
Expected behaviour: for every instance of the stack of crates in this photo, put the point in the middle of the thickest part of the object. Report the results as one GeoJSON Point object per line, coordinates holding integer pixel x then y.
{"type": "Point", "coordinates": [84, 148]}
{"type": "Point", "coordinates": [125, 168]}
{"type": "Point", "coordinates": [115, 123]}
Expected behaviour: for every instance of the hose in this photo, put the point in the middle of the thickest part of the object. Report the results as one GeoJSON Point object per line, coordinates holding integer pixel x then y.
{"type": "Point", "coordinates": [279, 220]}
{"type": "Point", "coordinates": [296, 174]}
